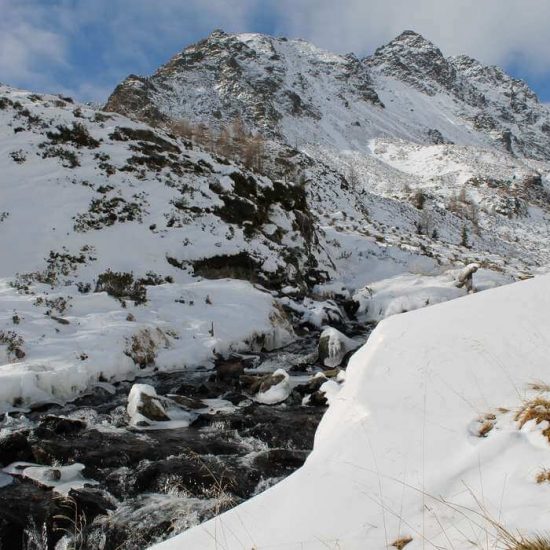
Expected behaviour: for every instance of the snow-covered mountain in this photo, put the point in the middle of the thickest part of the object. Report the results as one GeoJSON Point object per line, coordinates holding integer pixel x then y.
{"type": "Point", "coordinates": [348, 197]}
{"type": "Point", "coordinates": [466, 145]}
{"type": "Point", "coordinates": [306, 96]}
{"type": "Point", "coordinates": [406, 123]}
{"type": "Point", "coordinates": [251, 192]}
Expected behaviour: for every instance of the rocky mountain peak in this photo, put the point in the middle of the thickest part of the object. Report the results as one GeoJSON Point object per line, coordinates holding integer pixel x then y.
{"type": "Point", "coordinates": [415, 60]}
{"type": "Point", "coordinates": [258, 79]}
{"type": "Point", "coordinates": [296, 93]}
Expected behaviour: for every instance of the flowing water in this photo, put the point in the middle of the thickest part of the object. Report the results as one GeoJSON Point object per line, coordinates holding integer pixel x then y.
{"type": "Point", "coordinates": [140, 486]}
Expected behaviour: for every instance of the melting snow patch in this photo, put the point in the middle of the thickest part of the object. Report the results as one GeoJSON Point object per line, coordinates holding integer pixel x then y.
{"type": "Point", "coordinates": [59, 478]}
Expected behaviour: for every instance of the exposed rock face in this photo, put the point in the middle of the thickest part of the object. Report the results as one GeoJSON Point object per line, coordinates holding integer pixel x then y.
{"type": "Point", "coordinates": [285, 88]}
{"type": "Point", "coordinates": [414, 60]}
{"type": "Point", "coordinates": [259, 79]}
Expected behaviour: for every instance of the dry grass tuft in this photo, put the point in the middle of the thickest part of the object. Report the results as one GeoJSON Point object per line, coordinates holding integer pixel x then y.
{"type": "Point", "coordinates": [539, 386]}
{"type": "Point", "coordinates": [537, 542]}
{"type": "Point", "coordinates": [537, 409]}
{"type": "Point", "coordinates": [543, 476]}
{"type": "Point", "coordinates": [401, 542]}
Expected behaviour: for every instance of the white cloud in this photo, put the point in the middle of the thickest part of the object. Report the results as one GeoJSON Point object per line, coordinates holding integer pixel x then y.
{"type": "Point", "coordinates": [25, 46]}
{"type": "Point", "coordinates": [494, 31]}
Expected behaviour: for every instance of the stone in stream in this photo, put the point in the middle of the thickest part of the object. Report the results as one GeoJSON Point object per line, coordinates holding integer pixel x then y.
{"type": "Point", "coordinates": [15, 447]}
{"type": "Point", "coordinates": [268, 389]}
{"type": "Point", "coordinates": [186, 402]}
{"type": "Point", "coordinates": [334, 346]}
{"type": "Point", "coordinates": [31, 517]}
{"type": "Point", "coordinates": [312, 385]}
{"type": "Point", "coordinates": [144, 405]}
{"type": "Point", "coordinates": [59, 425]}
{"type": "Point", "coordinates": [91, 502]}
{"type": "Point", "coordinates": [228, 372]}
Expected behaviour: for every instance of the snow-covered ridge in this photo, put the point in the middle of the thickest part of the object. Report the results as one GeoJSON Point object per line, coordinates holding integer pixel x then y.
{"type": "Point", "coordinates": [427, 441]}
{"type": "Point", "coordinates": [371, 140]}
{"type": "Point", "coordinates": [302, 94]}
{"type": "Point", "coordinates": [126, 250]}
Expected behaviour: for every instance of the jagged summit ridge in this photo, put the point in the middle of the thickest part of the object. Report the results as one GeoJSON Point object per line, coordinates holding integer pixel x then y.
{"type": "Point", "coordinates": [414, 60]}
{"type": "Point", "coordinates": [258, 78]}
{"type": "Point", "coordinates": [297, 93]}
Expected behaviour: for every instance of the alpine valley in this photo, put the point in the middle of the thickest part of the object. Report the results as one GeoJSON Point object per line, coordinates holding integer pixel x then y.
{"type": "Point", "coordinates": [187, 270]}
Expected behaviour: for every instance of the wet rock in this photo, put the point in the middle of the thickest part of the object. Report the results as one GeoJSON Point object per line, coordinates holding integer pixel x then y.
{"type": "Point", "coordinates": [278, 462]}
{"type": "Point", "coordinates": [200, 391]}
{"type": "Point", "coordinates": [250, 382]}
{"type": "Point", "coordinates": [235, 398]}
{"type": "Point", "coordinates": [92, 502]}
{"type": "Point", "coordinates": [197, 475]}
{"type": "Point", "coordinates": [100, 451]}
{"type": "Point", "coordinates": [313, 385]}
{"type": "Point", "coordinates": [29, 512]}
{"type": "Point", "coordinates": [228, 372]}
{"type": "Point", "coordinates": [15, 447]}
{"type": "Point", "coordinates": [334, 373]}
{"type": "Point", "coordinates": [318, 399]}
{"type": "Point", "coordinates": [59, 425]}
{"type": "Point", "coordinates": [186, 402]}
{"type": "Point", "coordinates": [291, 426]}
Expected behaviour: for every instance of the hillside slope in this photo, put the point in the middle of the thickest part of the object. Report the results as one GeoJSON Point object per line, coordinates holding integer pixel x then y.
{"type": "Point", "coordinates": [104, 215]}
{"type": "Point", "coordinates": [439, 146]}
{"type": "Point", "coordinates": [460, 441]}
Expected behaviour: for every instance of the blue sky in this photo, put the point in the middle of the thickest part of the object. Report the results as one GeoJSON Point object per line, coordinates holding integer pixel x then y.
{"type": "Point", "coordinates": [85, 47]}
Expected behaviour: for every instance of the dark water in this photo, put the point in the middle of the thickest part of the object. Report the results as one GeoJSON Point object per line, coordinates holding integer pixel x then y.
{"type": "Point", "coordinates": [149, 485]}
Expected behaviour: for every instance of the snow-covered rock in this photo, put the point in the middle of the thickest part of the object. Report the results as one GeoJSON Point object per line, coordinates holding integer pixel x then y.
{"type": "Point", "coordinates": [144, 405]}
{"type": "Point", "coordinates": [59, 478]}
{"type": "Point", "coordinates": [395, 456]}
{"type": "Point", "coordinates": [334, 346]}
{"type": "Point", "coordinates": [274, 388]}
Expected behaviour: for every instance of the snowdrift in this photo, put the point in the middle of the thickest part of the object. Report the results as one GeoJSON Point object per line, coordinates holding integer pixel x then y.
{"type": "Point", "coordinates": [425, 440]}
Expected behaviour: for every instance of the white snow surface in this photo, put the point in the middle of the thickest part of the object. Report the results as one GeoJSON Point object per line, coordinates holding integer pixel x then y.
{"type": "Point", "coordinates": [398, 453]}
{"type": "Point", "coordinates": [59, 478]}
{"type": "Point", "coordinates": [57, 238]}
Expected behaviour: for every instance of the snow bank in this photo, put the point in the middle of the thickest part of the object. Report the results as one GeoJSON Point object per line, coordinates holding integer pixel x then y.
{"type": "Point", "coordinates": [101, 341]}
{"type": "Point", "coordinates": [396, 456]}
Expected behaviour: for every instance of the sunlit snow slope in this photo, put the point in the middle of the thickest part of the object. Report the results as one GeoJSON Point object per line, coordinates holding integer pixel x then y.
{"type": "Point", "coordinates": [425, 440]}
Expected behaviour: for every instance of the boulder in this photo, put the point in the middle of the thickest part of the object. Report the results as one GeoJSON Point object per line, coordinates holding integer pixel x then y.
{"type": "Point", "coordinates": [274, 388]}
{"type": "Point", "coordinates": [465, 277]}
{"type": "Point", "coordinates": [144, 405]}
{"type": "Point", "coordinates": [229, 371]}
{"type": "Point", "coordinates": [334, 346]}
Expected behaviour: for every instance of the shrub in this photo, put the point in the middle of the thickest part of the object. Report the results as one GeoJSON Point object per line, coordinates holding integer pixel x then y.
{"type": "Point", "coordinates": [76, 135]}
{"type": "Point", "coordinates": [13, 342]}
{"type": "Point", "coordinates": [537, 409]}
{"type": "Point", "coordinates": [18, 156]}
{"type": "Point", "coordinates": [142, 347]}
{"type": "Point", "coordinates": [122, 286]}
{"type": "Point", "coordinates": [59, 304]}
{"type": "Point", "coordinates": [419, 199]}
{"type": "Point", "coordinates": [69, 159]}
{"type": "Point", "coordinates": [105, 211]}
